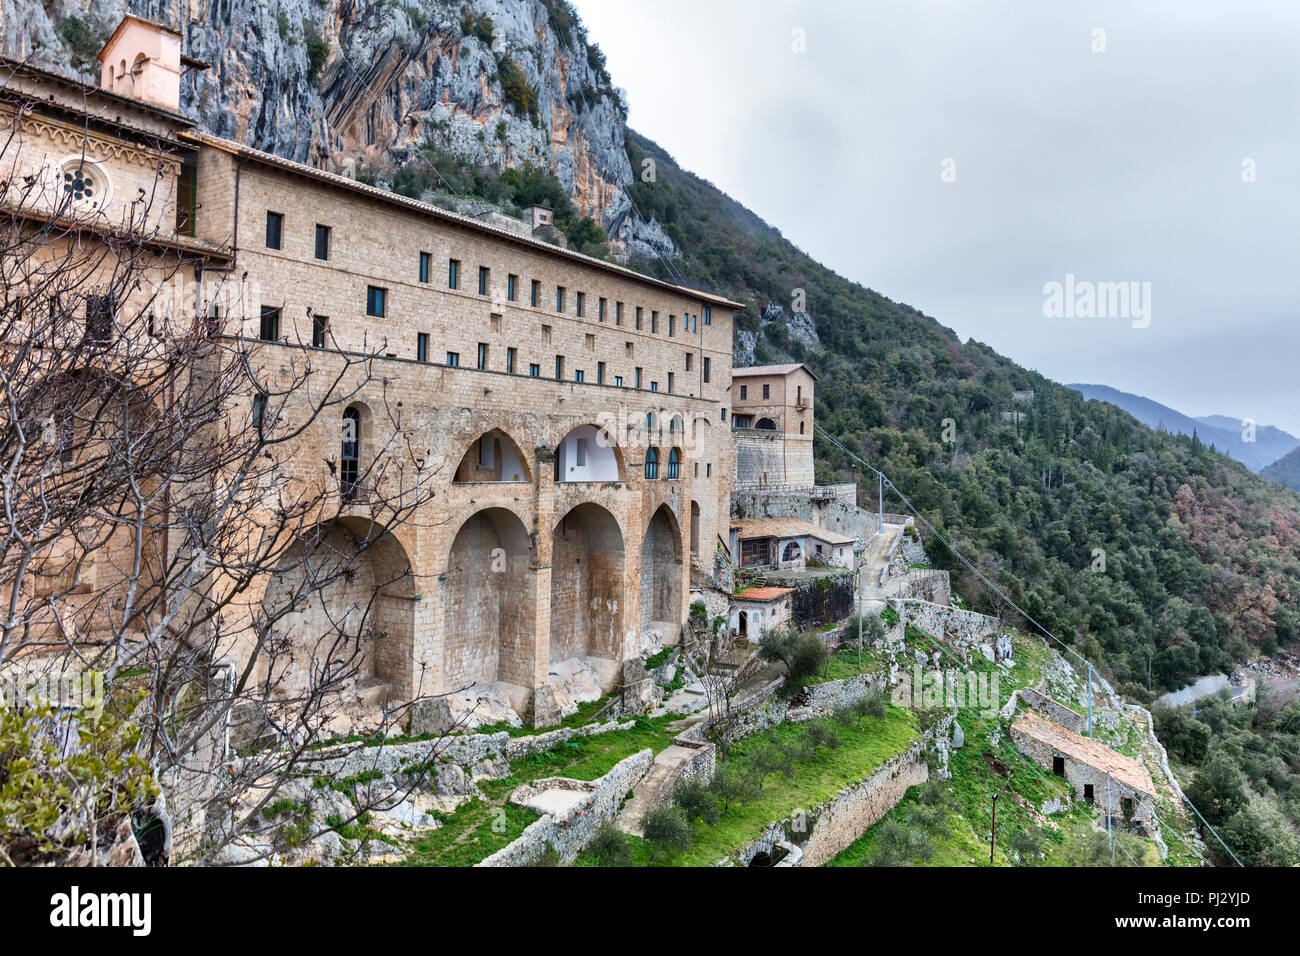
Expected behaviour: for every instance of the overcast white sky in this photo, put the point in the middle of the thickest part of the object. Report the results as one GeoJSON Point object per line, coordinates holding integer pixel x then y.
{"type": "Point", "coordinates": [1123, 165]}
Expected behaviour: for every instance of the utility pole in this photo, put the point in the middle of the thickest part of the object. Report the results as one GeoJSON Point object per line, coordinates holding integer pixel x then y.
{"type": "Point", "coordinates": [1110, 842]}
{"type": "Point", "coordinates": [993, 828]}
{"type": "Point", "coordinates": [1089, 698]}
{"type": "Point", "coordinates": [880, 502]}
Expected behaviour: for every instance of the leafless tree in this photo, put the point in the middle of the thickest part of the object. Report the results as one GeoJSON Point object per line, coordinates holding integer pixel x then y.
{"type": "Point", "coordinates": [165, 523]}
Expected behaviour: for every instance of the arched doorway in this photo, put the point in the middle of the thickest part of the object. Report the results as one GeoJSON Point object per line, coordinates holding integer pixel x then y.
{"type": "Point", "coordinates": [766, 424]}
{"type": "Point", "coordinates": [792, 552]}
{"type": "Point", "coordinates": [587, 587]}
{"type": "Point", "coordinates": [345, 601]}
{"type": "Point", "coordinates": [661, 574]}
{"type": "Point", "coordinates": [489, 602]}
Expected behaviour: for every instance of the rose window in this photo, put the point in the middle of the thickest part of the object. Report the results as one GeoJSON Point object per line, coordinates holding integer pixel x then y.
{"type": "Point", "coordinates": [79, 183]}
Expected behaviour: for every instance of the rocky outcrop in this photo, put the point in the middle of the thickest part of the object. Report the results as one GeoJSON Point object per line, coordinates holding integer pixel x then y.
{"type": "Point", "coordinates": [343, 84]}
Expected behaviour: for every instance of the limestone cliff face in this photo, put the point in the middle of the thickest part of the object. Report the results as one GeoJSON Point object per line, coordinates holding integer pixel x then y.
{"type": "Point", "coordinates": [346, 83]}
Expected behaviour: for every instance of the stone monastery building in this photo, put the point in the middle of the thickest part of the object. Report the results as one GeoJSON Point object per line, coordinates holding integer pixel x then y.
{"type": "Point", "coordinates": [576, 413]}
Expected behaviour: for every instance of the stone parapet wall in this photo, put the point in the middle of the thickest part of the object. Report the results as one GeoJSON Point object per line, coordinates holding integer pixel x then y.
{"type": "Point", "coordinates": [569, 832]}
{"type": "Point", "coordinates": [1054, 711]}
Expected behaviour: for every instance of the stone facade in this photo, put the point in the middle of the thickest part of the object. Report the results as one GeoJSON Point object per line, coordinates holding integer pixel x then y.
{"type": "Point", "coordinates": [569, 417]}
{"type": "Point", "coordinates": [772, 416]}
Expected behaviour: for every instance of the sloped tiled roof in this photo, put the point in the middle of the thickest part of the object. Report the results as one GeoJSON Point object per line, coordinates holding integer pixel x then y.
{"type": "Point", "coordinates": [770, 370]}
{"type": "Point", "coordinates": [762, 594]}
{"type": "Point", "coordinates": [1128, 771]}
{"type": "Point", "coordinates": [788, 528]}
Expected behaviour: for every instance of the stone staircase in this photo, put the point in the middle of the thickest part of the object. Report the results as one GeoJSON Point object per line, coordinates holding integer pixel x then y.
{"type": "Point", "coordinates": [653, 787]}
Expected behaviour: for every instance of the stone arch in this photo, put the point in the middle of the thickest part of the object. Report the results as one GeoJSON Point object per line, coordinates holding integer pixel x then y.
{"type": "Point", "coordinates": [661, 573]}
{"type": "Point", "coordinates": [493, 456]}
{"type": "Point", "coordinates": [792, 551]}
{"type": "Point", "coordinates": [766, 424]}
{"type": "Point", "coordinates": [489, 604]}
{"type": "Point", "coordinates": [588, 453]}
{"type": "Point", "coordinates": [349, 630]}
{"type": "Point", "coordinates": [587, 585]}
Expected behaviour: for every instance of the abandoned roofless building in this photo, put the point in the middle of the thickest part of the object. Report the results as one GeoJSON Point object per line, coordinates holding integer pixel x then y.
{"type": "Point", "coordinates": [572, 414]}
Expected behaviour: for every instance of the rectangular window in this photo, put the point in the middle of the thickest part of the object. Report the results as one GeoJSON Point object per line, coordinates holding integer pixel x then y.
{"type": "Point", "coordinates": [706, 368]}
{"type": "Point", "coordinates": [376, 301]}
{"type": "Point", "coordinates": [723, 413]}
{"type": "Point", "coordinates": [270, 331]}
{"type": "Point", "coordinates": [708, 470]}
{"type": "Point", "coordinates": [482, 355]}
{"type": "Point", "coordinates": [426, 263]}
{"type": "Point", "coordinates": [618, 313]}
{"type": "Point", "coordinates": [670, 382]}
{"type": "Point", "coordinates": [638, 377]}
{"type": "Point", "coordinates": [320, 326]}
{"type": "Point", "coordinates": [534, 370]}
{"type": "Point", "coordinates": [511, 281]}
{"type": "Point", "coordinates": [600, 373]}
{"type": "Point", "coordinates": [654, 386]}
{"type": "Point", "coordinates": [578, 376]}
{"type": "Point", "coordinates": [510, 361]}
{"type": "Point", "coordinates": [546, 334]}
{"type": "Point", "coordinates": [536, 293]}
{"type": "Point", "coordinates": [654, 321]}
{"type": "Point", "coordinates": [322, 241]}
{"type": "Point", "coordinates": [453, 359]}
{"type": "Point", "coordinates": [582, 303]}
{"type": "Point", "coordinates": [767, 391]}
{"type": "Point", "coordinates": [559, 298]}
{"type": "Point", "coordinates": [618, 381]}
{"type": "Point", "coordinates": [274, 229]}
{"type": "Point", "coordinates": [672, 325]}
{"type": "Point", "coordinates": [422, 347]}
{"type": "Point", "coordinates": [484, 277]}
{"type": "Point", "coordinates": [708, 315]}
{"type": "Point", "coordinates": [638, 318]}
{"type": "Point", "coordinates": [600, 310]}
{"type": "Point", "coordinates": [559, 368]}
{"type": "Point", "coordinates": [580, 452]}
{"type": "Point", "coordinates": [259, 411]}
{"type": "Point", "coordinates": [453, 273]}
{"type": "Point", "coordinates": [688, 361]}
{"type": "Point", "coordinates": [744, 392]}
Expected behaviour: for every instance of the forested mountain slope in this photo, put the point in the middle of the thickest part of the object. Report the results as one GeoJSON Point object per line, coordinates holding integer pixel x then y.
{"type": "Point", "coordinates": [1154, 554]}
{"type": "Point", "coordinates": [1146, 549]}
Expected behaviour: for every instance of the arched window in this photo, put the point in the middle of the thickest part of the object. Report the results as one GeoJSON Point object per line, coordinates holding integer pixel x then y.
{"type": "Point", "coordinates": [766, 424]}
{"type": "Point", "coordinates": [349, 456]}
{"type": "Point", "coordinates": [652, 463]}
{"type": "Point", "coordinates": [674, 464]}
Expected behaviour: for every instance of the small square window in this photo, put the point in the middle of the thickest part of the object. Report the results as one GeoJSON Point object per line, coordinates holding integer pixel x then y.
{"type": "Point", "coordinates": [534, 370]}
{"type": "Point", "coordinates": [453, 359]}
{"type": "Point", "coordinates": [376, 301]}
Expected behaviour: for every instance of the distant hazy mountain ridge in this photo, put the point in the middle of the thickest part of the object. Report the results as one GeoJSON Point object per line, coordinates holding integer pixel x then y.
{"type": "Point", "coordinates": [1224, 432]}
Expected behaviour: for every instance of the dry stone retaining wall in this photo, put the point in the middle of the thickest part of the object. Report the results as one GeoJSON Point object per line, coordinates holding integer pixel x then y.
{"type": "Point", "coordinates": [572, 830]}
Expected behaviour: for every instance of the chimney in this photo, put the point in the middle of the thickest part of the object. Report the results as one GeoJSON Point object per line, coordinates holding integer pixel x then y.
{"type": "Point", "coordinates": [142, 60]}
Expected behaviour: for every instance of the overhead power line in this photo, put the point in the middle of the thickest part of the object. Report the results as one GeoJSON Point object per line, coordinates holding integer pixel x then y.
{"type": "Point", "coordinates": [1010, 603]}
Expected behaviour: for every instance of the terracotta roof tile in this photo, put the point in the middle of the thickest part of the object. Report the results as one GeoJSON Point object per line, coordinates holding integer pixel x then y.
{"type": "Point", "coordinates": [762, 594]}
{"type": "Point", "coordinates": [787, 528]}
{"type": "Point", "coordinates": [1086, 750]}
